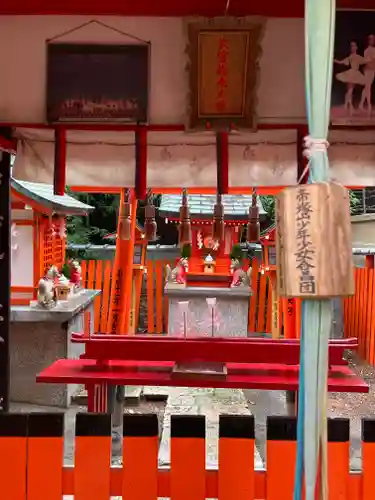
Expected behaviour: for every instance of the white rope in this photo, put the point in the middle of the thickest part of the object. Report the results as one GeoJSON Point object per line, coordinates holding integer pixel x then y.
{"type": "Point", "coordinates": [314, 145]}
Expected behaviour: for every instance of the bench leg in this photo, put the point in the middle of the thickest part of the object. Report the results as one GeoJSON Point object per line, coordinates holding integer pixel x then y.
{"type": "Point", "coordinates": [97, 398]}
{"type": "Point", "coordinates": [292, 403]}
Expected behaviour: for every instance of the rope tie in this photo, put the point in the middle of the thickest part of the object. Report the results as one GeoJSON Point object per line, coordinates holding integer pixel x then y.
{"type": "Point", "coordinates": [313, 145]}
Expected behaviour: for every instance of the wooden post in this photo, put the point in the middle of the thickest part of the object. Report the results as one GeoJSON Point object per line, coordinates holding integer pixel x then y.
{"type": "Point", "coordinates": [5, 262]}
{"type": "Point", "coordinates": [141, 163]}
{"type": "Point", "coordinates": [222, 161]}
{"type": "Point", "coordinates": [133, 309]}
{"type": "Point", "coordinates": [290, 327]}
{"type": "Point", "coordinates": [59, 173]}
{"type": "Point", "coordinates": [369, 261]}
{"type": "Point", "coordinates": [114, 304]}
{"type": "Point", "coordinates": [275, 306]}
{"type": "Point", "coordinates": [127, 272]}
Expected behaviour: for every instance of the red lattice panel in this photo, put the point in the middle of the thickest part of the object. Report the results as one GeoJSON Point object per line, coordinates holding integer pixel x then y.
{"type": "Point", "coordinates": [48, 257]}
{"type": "Point", "coordinates": [53, 250]}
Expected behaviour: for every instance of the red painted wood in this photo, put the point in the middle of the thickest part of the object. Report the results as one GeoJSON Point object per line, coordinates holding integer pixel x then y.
{"type": "Point", "coordinates": [280, 377]}
{"type": "Point", "coordinates": [106, 127]}
{"type": "Point", "coordinates": [251, 350]}
{"type": "Point", "coordinates": [210, 8]}
{"type": "Point", "coordinates": [8, 145]}
{"type": "Point", "coordinates": [141, 163]}
{"type": "Point", "coordinates": [59, 173]}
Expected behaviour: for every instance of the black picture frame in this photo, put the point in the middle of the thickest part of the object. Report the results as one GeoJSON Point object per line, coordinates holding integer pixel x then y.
{"type": "Point", "coordinates": [97, 83]}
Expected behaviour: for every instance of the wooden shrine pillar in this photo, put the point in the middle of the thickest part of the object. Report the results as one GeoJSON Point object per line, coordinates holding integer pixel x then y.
{"type": "Point", "coordinates": [5, 262]}
{"type": "Point", "coordinates": [116, 283]}
{"type": "Point", "coordinates": [59, 172]}
{"type": "Point", "coordinates": [101, 397]}
{"type": "Point", "coordinates": [275, 327]}
{"type": "Point", "coordinates": [290, 318]}
{"type": "Point", "coordinates": [122, 282]}
{"type": "Point", "coordinates": [127, 256]}
{"type": "Point", "coordinates": [369, 261]}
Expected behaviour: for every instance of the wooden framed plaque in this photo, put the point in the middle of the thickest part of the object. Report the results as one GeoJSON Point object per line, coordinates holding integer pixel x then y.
{"type": "Point", "coordinates": [97, 83]}
{"type": "Point", "coordinates": [223, 70]}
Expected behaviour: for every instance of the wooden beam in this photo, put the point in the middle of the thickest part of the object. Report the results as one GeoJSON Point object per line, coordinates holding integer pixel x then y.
{"type": "Point", "coordinates": [97, 127]}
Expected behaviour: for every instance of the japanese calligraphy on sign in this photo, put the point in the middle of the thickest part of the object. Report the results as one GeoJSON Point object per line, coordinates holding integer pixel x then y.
{"type": "Point", "coordinates": [116, 303]}
{"type": "Point", "coordinates": [290, 309]}
{"type": "Point", "coordinates": [314, 244]}
{"type": "Point", "coordinates": [305, 251]}
{"type": "Point", "coordinates": [223, 72]}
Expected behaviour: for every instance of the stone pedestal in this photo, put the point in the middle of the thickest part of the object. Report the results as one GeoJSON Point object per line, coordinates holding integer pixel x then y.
{"type": "Point", "coordinates": [38, 337]}
{"type": "Point", "coordinates": [229, 318]}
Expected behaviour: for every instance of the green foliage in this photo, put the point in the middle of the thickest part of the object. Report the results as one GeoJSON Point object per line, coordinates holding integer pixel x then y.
{"type": "Point", "coordinates": [186, 251]}
{"type": "Point", "coordinates": [268, 203]}
{"type": "Point", "coordinates": [66, 270]}
{"type": "Point", "coordinates": [236, 253]}
{"type": "Point", "coordinates": [100, 222]}
{"type": "Point", "coordinates": [354, 201]}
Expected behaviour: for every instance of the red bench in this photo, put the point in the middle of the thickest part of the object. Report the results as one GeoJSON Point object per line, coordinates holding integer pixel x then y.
{"type": "Point", "coordinates": [104, 347]}
{"type": "Point", "coordinates": [251, 363]}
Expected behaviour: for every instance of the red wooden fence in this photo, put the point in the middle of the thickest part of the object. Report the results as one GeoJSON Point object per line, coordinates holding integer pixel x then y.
{"type": "Point", "coordinates": [97, 274]}
{"type": "Point", "coordinates": [31, 459]}
{"type": "Point", "coordinates": [359, 313]}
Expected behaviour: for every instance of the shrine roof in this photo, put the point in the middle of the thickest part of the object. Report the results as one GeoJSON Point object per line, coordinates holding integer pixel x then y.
{"type": "Point", "coordinates": [201, 206]}
{"type": "Point", "coordinates": [43, 195]}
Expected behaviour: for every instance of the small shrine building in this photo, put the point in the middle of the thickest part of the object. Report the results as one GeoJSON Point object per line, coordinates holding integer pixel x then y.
{"type": "Point", "coordinates": [38, 234]}
{"type": "Point", "coordinates": [201, 207]}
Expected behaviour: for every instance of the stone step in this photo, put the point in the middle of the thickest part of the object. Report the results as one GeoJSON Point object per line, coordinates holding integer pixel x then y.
{"type": "Point", "coordinates": [133, 394]}
{"type": "Point", "coordinates": [208, 402]}
{"type": "Point", "coordinates": [156, 393]}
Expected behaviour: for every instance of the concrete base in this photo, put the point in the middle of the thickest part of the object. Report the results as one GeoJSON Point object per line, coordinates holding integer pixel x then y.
{"type": "Point", "coordinates": [208, 402]}
{"type": "Point", "coordinates": [38, 338]}
{"type": "Point", "coordinates": [229, 318]}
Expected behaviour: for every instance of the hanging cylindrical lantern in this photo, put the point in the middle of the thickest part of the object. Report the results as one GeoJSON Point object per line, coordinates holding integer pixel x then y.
{"type": "Point", "coordinates": [185, 237]}
{"type": "Point", "coordinates": [150, 222]}
{"type": "Point", "coordinates": [125, 218]}
{"type": "Point", "coordinates": [218, 224]}
{"type": "Point", "coordinates": [253, 226]}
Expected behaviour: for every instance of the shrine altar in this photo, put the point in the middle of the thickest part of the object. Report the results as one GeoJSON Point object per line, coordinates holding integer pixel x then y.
{"type": "Point", "coordinates": [208, 311]}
